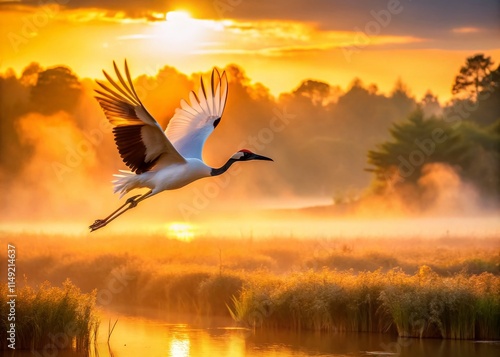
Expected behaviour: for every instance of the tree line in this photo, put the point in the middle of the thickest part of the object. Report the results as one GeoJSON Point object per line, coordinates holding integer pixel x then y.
{"type": "Point", "coordinates": [334, 142]}
{"type": "Point", "coordinates": [466, 136]}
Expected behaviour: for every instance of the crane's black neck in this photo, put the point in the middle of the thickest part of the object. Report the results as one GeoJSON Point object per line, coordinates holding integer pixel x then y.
{"type": "Point", "coordinates": [222, 169]}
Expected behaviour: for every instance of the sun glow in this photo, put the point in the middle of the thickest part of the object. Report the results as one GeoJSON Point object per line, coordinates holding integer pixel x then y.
{"type": "Point", "coordinates": [181, 231]}
{"type": "Point", "coordinates": [178, 16]}
{"type": "Point", "coordinates": [179, 33]}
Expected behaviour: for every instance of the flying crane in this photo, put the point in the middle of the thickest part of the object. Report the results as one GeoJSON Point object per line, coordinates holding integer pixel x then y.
{"type": "Point", "coordinates": [162, 160]}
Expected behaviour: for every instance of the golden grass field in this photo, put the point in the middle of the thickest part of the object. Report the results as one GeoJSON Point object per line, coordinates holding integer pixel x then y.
{"type": "Point", "coordinates": [442, 287]}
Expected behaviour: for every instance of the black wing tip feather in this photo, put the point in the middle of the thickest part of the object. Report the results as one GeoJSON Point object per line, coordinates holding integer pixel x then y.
{"type": "Point", "coordinates": [203, 87]}
{"type": "Point", "coordinates": [118, 101]}
{"type": "Point", "coordinates": [131, 148]}
{"type": "Point", "coordinates": [127, 90]}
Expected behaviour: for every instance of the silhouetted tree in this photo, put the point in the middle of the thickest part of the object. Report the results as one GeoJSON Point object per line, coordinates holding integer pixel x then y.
{"type": "Point", "coordinates": [481, 107]}
{"type": "Point", "coordinates": [401, 99]}
{"type": "Point", "coordinates": [317, 91]}
{"type": "Point", "coordinates": [430, 104]}
{"type": "Point", "coordinates": [56, 89]}
{"type": "Point", "coordinates": [29, 77]}
{"type": "Point", "coordinates": [474, 77]}
{"type": "Point", "coordinates": [13, 104]}
{"type": "Point", "coordinates": [488, 103]}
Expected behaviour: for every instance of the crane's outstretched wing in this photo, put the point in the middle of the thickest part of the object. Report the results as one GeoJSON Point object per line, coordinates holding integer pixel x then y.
{"type": "Point", "coordinates": [191, 124]}
{"type": "Point", "coordinates": [138, 136]}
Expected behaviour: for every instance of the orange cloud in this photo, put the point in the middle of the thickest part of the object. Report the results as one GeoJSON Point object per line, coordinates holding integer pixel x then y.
{"type": "Point", "coordinates": [466, 30]}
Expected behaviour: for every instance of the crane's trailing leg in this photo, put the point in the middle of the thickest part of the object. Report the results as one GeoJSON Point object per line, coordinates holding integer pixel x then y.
{"type": "Point", "coordinates": [131, 202]}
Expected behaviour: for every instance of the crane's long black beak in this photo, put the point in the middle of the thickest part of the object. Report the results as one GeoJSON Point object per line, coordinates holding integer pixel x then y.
{"type": "Point", "coordinates": [260, 157]}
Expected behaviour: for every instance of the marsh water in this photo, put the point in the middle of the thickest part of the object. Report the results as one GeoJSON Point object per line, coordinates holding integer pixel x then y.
{"type": "Point", "coordinates": [138, 337]}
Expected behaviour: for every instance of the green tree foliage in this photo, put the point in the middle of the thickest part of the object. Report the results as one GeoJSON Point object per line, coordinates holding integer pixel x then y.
{"type": "Point", "coordinates": [414, 143]}
{"type": "Point", "coordinates": [473, 151]}
{"type": "Point", "coordinates": [481, 162]}
{"type": "Point", "coordinates": [471, 145]}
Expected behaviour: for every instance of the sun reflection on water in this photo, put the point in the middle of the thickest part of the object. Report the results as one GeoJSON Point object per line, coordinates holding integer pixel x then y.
{"type": "Point", "coordinates": [179, 347]}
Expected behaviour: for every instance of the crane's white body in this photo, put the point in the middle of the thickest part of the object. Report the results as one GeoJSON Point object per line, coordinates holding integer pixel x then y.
{"type": "Point", "coordinates": [169, 177]}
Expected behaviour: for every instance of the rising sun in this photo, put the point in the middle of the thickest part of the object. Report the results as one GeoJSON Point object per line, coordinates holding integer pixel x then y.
{"type": "Point", "coordinates": [180, 32]}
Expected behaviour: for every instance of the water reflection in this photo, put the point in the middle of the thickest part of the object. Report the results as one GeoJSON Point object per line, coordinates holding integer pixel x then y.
{"type": "Point", "coordinates": [134, 337]}
{"type": "Point", "coordinates": [179, 347]}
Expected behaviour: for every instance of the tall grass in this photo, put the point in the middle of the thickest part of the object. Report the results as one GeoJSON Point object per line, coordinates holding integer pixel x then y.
{"type": "Point", "coordinates": [441, 288]}
{"type": "Point", "coordinates": [419, 305]}
{"type": "Point", "coordinates": [51, 318]}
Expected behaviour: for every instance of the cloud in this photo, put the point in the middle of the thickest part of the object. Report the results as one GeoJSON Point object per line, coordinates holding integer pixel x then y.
{"type": "Point", "coordinates": [388, 23]}
{"type": "Point", "coordinates": [275, 38]}
{"type": "Point", "coordinates": [407, 18]}
{"type": "Point", "coordinates": [466, 30]}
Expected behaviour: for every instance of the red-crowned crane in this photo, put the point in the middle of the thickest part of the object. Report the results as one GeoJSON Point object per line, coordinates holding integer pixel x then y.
{"type": "Point", "coordinates": [162, 160]}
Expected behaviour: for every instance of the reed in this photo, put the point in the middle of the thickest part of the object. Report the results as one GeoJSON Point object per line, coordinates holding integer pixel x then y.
{"type": "Point", "coordinates": [421, 305]}
{"type": "Point", "coordinates": [51, 318]}
{"type": "Point", "coordinates": [442, 288]}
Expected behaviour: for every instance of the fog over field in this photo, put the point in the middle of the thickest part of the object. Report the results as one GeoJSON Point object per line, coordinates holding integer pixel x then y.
{"type": "Point", "coordinates": [58, 154]}
{"type": "Point", "coordinates": [374, 230]}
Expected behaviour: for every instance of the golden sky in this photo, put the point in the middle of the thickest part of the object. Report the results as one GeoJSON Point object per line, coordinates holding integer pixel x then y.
{"type": "Point", "coordinates": [277, 43]}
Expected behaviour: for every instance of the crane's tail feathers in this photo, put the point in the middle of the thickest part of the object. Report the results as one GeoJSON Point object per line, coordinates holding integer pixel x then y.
{"type": "Point", "coordinates": [125, 182]}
